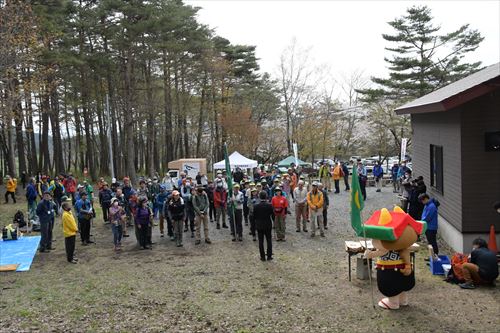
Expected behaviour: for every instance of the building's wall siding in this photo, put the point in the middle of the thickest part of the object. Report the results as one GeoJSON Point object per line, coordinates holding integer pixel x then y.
{"type": "Point", "coordinates": [443, 129]}
{"type": "Point", "coordinates": [480, 169]}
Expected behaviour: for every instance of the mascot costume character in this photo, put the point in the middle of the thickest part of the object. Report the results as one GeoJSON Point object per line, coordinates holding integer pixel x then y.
{"type": "Point", "coordinates": [393, 233]}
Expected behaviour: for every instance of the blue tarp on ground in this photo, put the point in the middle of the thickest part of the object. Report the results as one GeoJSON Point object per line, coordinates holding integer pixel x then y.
{"type": "Point", "coordinates": [21, 251]}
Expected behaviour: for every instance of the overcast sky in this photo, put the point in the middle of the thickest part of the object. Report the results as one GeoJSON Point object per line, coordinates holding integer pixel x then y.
{"type": "Point", "coordinates": [343, 35]}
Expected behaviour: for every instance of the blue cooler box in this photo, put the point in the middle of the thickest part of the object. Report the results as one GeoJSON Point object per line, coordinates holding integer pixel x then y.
{"type": "Point", "coordinates": [436, 266]}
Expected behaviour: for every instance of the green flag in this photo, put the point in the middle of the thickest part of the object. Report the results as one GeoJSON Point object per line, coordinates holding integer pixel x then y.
{"type": "Point", "coordinates": [228, 173]}
{"type": "Point", "coordinates": [357, 203]}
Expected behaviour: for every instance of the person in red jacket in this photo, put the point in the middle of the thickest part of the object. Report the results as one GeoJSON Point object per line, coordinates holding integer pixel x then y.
{"type": "Point", "coordinates": [280, 205]}
{"type": "Point", "coordinates": [69, 184]}
{"type": "Point", "coordinates": [220, 203]}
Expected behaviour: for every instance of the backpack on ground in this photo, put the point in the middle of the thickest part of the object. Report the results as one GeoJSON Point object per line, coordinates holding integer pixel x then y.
{"type": "Point", "coordinates": [455, 274]}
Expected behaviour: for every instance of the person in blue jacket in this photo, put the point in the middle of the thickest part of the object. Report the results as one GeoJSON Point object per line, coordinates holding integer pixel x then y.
{"type": "Point", "coordinates": [394, 177]}
{"type": "Point", "coordinates": [430, 215]}
{"type": "Point", "coordinates": [378, 174]}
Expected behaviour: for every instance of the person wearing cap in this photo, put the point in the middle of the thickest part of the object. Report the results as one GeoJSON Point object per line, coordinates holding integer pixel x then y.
{"type": "Point", "coordinates": [187, 196]}
{"type": "Point", "coordinates": [45, 212]}
{"type": "Point", "coordinates": [220, 203]}
{"type": "Point", "coordinates": [253, 199]}
{"type": "Point", "coordinates": [324, 175]}
{"type": "Point", "coordinates": [168, 183]}
{"type": "Point", "coordinates": [114, 185]}
{"type": "Point", "coordinates": [116, 217]}
{"type": "Point", "coordinates": [280, 206]}
{"type": "Point", "coordinates": [200, 206]}
{"type": "Point", "coordinates": [70, 187]}
{"type": "Point", "coordinates": [31, 197]}
{"type": "Point", "coordinates": [362, 177]}
{"type": "Point", "coordinates": [210, 193]}
{"type": "Point", "coordinates": [285, 186]}
{"type": "Point", "coordinates": [159, 204]}
{"type": "Point", "coordinates": [89, 190]}
{"type": "Point", "coordinates": [120, 197]}
{"type": "Point", "coordinates": [263, 212]}
{"type": "Point", "coordinates": [69, 231]}
{"type": "Point", "coordinates": [10, 189]}
{"type": "Point", "coordinates": [154, 190]}
{"type": "Point", "coordinates": [315, 201]}
{"type": "Point", "coordinates": [84, 212]}
{"type": "Point", "coordinates": [337, 174]}
{"type": "Point", "coordinates": [143, 190]}
{"type": "Point", "coordinates": [143, 217]}
{"type": "Point", "coordinates": [236, 223]}
{"type": "Point", "coordinates": [326, 203]}
{"type": "Point", "coordinates": [300, 200]}
{"type": "Point", "coordinates": [266, 188]}
{"type": "Point", "coordinates": [105, 196]}
{"type": "Point", "coordinates": [176, 213]}
{"type": "Point", "coordinates": [345, 172]}
{"type": "Point", "coordinates": [42, 186]}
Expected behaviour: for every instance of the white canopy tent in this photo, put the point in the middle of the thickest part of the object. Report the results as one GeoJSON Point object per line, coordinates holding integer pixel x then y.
{"type": "Point", "coordinates": [236, 160]}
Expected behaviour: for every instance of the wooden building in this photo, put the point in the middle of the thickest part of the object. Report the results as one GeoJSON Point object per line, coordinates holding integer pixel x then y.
{"type": "Point", "coordinates": [456, 148]}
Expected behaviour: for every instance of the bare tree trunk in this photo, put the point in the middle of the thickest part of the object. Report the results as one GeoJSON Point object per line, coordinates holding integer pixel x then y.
{"type": "Point", "coordinates": [167, 108]}
{"type": "Point", "coordinates": [129, 119]}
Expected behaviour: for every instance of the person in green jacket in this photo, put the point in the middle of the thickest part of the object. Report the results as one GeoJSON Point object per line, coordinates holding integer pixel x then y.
{"type": "Point", "coordinates": [201, 205]}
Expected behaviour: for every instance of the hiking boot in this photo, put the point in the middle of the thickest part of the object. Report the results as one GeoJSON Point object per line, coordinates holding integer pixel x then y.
{"type": "Point", "coordinates": [208, 241]}
{"type": "Point", "coordinates": [234, 239]}
{"type": "Point", "coordinates": [467, 285]}
{"type": "Point", "coordinates": [254, 238]}
{"type": "Point", "coordinates": [172, 238]}
{"type": "Point", "coordinates": [322, 235]}
{"type": "Point", "coordinates": [240, 238]}
{"type": "Point", "coordinates": [313, 235]}
{"type": "Point", "coordinates": [305, 230]}
{"type": "Point", "coordinates": [162, 235]}
{"type": "Point", "coordinates": [218, 226]}
{"type": "Point", "coordinates": [298, 230]}
{"type": "Point", "coordinates": [185, 229]}
{"type": "Point", "coordinates": [224, 226]}
{"type": "Point", "coordinates": [326, 228]}
{"type": "Point", "coordinates": [198, 242]}
{"type": "Point", "coordinates": [192, 234]}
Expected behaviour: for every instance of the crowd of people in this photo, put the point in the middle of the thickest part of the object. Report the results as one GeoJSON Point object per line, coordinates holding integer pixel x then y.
{"type": "Point", "coordinates": [261, 201]}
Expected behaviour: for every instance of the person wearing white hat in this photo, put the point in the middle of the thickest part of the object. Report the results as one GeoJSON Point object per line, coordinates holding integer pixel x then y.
{"type": "Point", "coordinates": [315, 201]}
{"type": "Point", "coordinates": [300, 200]}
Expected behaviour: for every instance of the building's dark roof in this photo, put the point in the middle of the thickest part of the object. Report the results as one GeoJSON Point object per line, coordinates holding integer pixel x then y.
{"type": "Point", "coordinates": [454, 94]}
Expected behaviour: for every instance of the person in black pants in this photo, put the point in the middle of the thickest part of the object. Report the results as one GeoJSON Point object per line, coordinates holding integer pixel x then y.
{"type": "Point", "coordinates": [211, 207]}
{"type": "Point", "coordinates": [45, 213]}
{"type": "Point", "coordinates": [263, 211]}
{"type": "Point", "coordinates": [84, 210]}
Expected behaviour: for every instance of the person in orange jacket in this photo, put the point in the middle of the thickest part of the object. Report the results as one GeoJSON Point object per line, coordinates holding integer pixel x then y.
{"type": "Point", "coordinates": [10, 187]}
{"type": "Point", "coordinates": [315, 201]}
{"type": "Point", "coordinates": [337, 175]}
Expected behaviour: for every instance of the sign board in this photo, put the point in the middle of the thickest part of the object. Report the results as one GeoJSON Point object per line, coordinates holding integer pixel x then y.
{"type": "Point", "coordinates": [404, 141]}
{"type": "Point", "coordinates": [191, 168]}
{"type": "Point", "coordinates": [296, 154]}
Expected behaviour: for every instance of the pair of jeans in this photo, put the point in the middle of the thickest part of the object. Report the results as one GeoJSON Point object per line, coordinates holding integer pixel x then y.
{"type": "Point", "coordinates": [117, 233]}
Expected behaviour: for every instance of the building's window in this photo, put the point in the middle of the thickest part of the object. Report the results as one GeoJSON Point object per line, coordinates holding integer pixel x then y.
{"type": "Point", "coordinates": [437, 168]}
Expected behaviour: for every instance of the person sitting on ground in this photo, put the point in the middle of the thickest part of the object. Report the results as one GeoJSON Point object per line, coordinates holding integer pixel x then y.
{"type": "Point", "coordinates": [69, 230]}
{"type": "Point", "coordinates": [482, 267]}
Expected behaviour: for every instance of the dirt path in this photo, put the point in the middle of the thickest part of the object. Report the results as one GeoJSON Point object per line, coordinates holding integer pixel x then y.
{"type": "Point", "coordinates": [224, 287]}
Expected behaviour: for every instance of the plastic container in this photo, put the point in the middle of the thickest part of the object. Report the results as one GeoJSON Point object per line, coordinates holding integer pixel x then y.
{"type": "Point", "coordinates": [436, 265]}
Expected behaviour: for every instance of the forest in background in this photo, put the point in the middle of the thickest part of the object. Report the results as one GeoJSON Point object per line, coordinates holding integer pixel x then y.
{"type": "Point", "coordinates": [163, 86]}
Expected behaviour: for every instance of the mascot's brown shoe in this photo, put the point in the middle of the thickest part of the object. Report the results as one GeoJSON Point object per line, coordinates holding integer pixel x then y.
{"type": "Point", "coordinates": [385, 303]}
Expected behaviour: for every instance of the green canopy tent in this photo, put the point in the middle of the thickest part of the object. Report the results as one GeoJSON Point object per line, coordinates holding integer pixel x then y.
{"type": "Point", "coordinates": [289, 160]}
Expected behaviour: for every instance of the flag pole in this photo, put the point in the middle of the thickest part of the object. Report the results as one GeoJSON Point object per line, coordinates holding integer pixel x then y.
{"type": "Point", "coordinates": [368, 262]}
{"type": "Point", "coordinates": [230, 188]}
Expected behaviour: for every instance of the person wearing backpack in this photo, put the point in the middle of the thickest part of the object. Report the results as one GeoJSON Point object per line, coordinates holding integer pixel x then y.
{"type": "Point", "coordinates": [84, 212]}
{"type": "Point", "coordinates": [31, 196]}
{"type": "Point", "coordinates": [176, 213]}
{"type": "Point", "coordinates": [315, 202]}
{"type": "Point", "coordinates": [45, 213]}
{"type": "Point", "coordinates": [200, 206]}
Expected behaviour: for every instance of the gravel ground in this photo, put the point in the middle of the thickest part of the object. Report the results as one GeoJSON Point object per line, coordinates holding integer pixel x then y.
{"type": "Point", "coordinates": [224, 287]}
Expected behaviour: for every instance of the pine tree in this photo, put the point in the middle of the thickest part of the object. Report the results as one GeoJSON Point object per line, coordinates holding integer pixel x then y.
{"type": "Point", "coordinates": [423, 59]}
